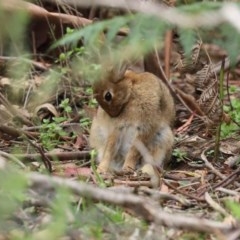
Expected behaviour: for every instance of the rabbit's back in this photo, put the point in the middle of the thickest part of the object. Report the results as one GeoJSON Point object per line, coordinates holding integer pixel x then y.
{"type": "Point", "coordinates": [150, 102]}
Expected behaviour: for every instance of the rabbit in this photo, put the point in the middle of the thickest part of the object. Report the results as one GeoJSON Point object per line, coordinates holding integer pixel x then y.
{"type": "Point", "coordinates": [134, 121]}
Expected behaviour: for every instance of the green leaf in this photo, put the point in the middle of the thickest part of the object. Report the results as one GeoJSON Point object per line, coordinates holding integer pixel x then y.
{"type": "Point", "coordinates": [187, 39]}
{"type": "Point", "coordinates": [234, 208]}
{"type": "Point", "coordinates": [200, 7]}
{"type": "Point", "coordinates": [229, 40]}
{"type": "Point", "coordinates": [118, 23]}
{"type": "Point", "coordinates": [12, 185]}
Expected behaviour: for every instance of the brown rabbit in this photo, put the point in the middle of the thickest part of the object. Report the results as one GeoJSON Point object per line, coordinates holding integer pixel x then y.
{"type": "Point", "coordinates": [134, 121]}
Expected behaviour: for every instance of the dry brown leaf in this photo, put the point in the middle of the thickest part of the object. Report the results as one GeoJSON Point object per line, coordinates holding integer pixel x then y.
{"type": "Point", "coordinates": [193, 63]}
{"type": "Point", "coordinates": [47, 106]}
{"type": "Point", "coordinates": [203, 76]}
{"type": "Point", "coordinates": [80, 142]}
{"type": "Point", "coordinates": [190, 102]}
{"type": "Point", "coordinates": [230, 146]}
{"type": "Point", "coordinates": [210, 103]}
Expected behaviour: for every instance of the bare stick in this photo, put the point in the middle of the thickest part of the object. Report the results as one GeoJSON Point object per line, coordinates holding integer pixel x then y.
{"type": "Point", "coordinates": [171, 15]}
{"type": "Point", "coordinates": [143, 207]}
{"type": "Point", "coordinates": [168, 49]}
{"type": "Point", "coordinates": [60, 156]}
{"type": "Point", "coordinates": [12, 158]}
{"type": "Point", "coordinates": [14, 111]}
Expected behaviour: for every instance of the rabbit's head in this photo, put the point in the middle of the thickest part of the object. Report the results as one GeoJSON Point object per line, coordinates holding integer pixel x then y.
{"type": "Point", "coordinates": [113, 91]}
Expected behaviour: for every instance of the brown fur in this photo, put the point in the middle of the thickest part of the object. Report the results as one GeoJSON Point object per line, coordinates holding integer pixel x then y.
{"type": "Point", "coordinates": [141, 111]}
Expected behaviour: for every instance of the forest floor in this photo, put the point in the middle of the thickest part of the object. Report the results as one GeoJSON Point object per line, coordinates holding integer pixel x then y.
{"type": "Point", "coordinates": [44, 131]}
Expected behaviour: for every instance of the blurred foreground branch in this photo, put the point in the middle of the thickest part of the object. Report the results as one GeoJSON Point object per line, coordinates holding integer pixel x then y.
{"type": "Point", "coordinates": [141, 206]}
{"type": "Point", "coordinates": [229, 12]}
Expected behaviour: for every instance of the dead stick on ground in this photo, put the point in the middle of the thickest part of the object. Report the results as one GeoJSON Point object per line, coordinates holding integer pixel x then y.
{"type": "Point", "coordinates": [229, 179]}
{"type": "Point", "coordinates": [14, 132]}
{"type": "Point", "coordinates": [46, 161]}
{"type": "Point", "coordinates": [14, 111]}
{"type": "Point", "coordinates": [60, 156]}
{"type": "Point", "coordinates": [36, 64]}
{"type": "Point", "coordinates": [210, 166]}
{"type": "Point", "coordinates": [12, 158]}
{"type": "Point", "coordinates": [183, 193]}
{"type": "Point", "coordinates": [232, 176]}
{"type": "Point", "coordinates": [145, 208]}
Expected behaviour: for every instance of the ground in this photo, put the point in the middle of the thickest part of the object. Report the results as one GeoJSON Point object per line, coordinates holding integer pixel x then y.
{"type": "Point", "coordinates": [49, 184]}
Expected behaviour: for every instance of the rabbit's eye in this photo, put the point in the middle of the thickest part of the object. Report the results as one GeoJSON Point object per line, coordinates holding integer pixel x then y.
{"type": "Point", "coordinates": [108, 96]}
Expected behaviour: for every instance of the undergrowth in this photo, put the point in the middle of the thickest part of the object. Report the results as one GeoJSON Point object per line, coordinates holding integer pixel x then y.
{"type": "Point", "coordinates": [68, 213]}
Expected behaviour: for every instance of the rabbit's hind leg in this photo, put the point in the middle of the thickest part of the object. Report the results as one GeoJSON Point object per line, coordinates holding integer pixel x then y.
{"type": "Point", "coordinates": [131, 160]}
{"type": "Point", "coordinates": [105, 161]}
{"type": "Point", "coordinates": [161, 146]}
{"type": "Point", "coordinates": [136, 152]}
{"type": "Point", "coordinates": [110, 153]}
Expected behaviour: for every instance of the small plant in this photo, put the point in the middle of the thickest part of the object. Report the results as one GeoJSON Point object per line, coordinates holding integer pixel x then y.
{"type": "Point", "coordinates": [51, 132]}
{"type": "Point", "coordinates": [229, 129]}
{"type": "Point", "coordinates": [234, 208]}
{"type": "Point", "coordinates": [65, 106]}
{"type": "Point", "coordinates": [210, 152]}
{"type": "Point", "coordinates": [179, 154]}
{"type": "Point", "coordinates": [92, 102]}
{"type": "Point", "coordinates": [64, 57]}
{"type": "Point", "coordinates": [100, 180]}
{"type": "Point", "coordinates": [85, 123]}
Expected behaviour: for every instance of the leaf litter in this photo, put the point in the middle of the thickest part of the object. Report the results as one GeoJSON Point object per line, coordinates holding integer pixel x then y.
{"type": "Point", "coordinates": [191, 201]}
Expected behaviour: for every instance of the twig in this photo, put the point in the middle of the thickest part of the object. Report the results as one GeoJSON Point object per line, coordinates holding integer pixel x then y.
{"type": "Point", "coordinates": [45, 159]}
{"type": "Point", "coordinates": [66, 124]}
{"type": "Point", "coordinates": [221, 96]}
{"type": "Point", "coordinates": [26, 135]}
{"type": "Point", "coordinates": [131, 183]}
{"type": "Point", "coordinates": [145, 208]}
{"type": "Point", "coordinates": [14, 111]}
{"type": "Point", "coordinates": [186, 124]}
{"type": "Point", "coordinates": [168, 49]}
{"type": "Point", "coordinates": [12, 158]}
{"type": "Point", "coordinates": [60, 156]}
{"type": "Point", "coordinates": [225, 180]}
{"type": "Point", "coordinates": [157, 195]}
{"type": "Point", "coordinates": [171, 15]}
{"type": "Point", "coordinates": [36, 64]}
{"type": "Point", "coordinates": [210, 166]}
{"type": "Point", "coordinates": [215, 205]}
{"type": "Point", "coordinates": [228, 191]}
{"type": "Point", "coordinates": [228, 179]}
{"type": "Point", "coordinates": [183, 193]}
{"type": "Point", "coordinates": [14, 132]}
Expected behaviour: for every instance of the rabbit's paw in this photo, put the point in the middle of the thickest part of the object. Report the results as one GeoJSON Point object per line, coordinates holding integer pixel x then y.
{"type": "Point", "coordinates": [103, 169]}
{"type": "Point", "coordinates": [130, 164]}
{"type": "Point", "coordinates": [153, 173]}
{"type": "Point", "coordinates": [127, 169]}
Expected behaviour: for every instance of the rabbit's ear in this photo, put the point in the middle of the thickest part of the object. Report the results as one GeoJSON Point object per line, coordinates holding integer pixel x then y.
{"type": "Point", "coordinates": [116, 73]}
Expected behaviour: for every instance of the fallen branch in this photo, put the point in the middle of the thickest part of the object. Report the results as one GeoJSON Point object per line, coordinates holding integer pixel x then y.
{"type": "Point", "coordinates": [12, 158]}
{"type": "Point", "coordinates": [14, 132]}
{"type": "Point", "coordinates": [229, 179]}
{"type": "Point", "coordinates": [224, 180]}
{"type": "Point", "coordinates": [171, 15]}
{"type": "Point", "coordinates": [53, 156]}
{"type": "Point", "coordinates": [141, 206]}
{"type": "Point", "coordinates": [37, 65]}
{"type": "Point", "coordinates": [14, 111]}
